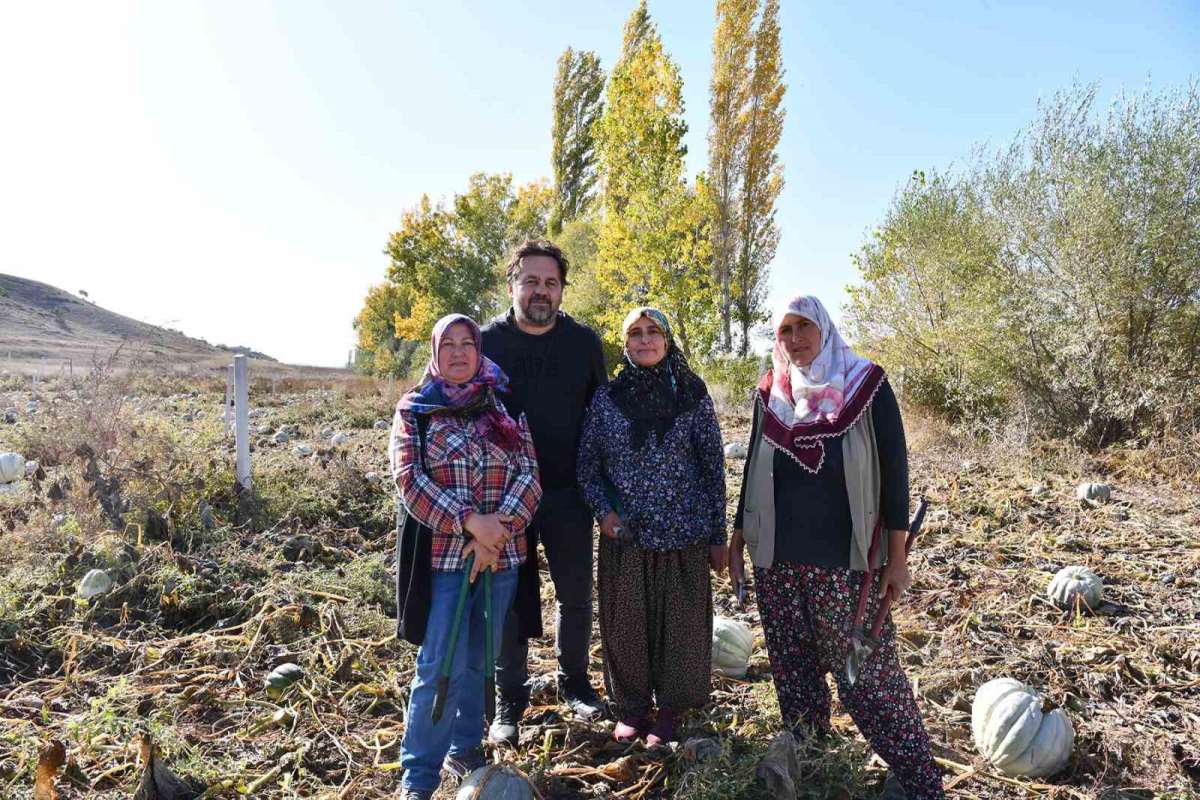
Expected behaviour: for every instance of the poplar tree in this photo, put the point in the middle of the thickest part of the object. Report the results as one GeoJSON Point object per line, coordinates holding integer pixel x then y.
{"type": "Point", "coordinates": [762, 179]}
{"type": "Point", "coordinates": [745, 175]}
{"type": "Point", "coordinates": [578, 103]}
{"type": "Point", "coordinates": [733, 47]}
{"type": "Point", "coordinates": [653, 240]}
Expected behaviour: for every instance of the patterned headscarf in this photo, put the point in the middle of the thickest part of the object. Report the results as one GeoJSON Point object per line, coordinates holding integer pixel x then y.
{"type": "Point", "coordinates": [436, 395]}
{"type": "Point", "coordinates": [807, 404]}
{"type": "Point", "coordinates": [652, 397]}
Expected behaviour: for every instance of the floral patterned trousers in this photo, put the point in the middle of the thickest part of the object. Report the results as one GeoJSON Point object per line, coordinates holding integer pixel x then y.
{"type": "Point", "coordinates": [807, 614]}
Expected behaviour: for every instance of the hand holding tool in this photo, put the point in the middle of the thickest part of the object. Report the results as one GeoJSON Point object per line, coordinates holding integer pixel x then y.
{"type": "Point", "coordinates": [863, 644]}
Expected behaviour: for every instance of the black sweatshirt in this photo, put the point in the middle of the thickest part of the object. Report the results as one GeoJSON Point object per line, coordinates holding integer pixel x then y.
{"type": "Point", "coordinates": [812, 512]}
{"type": "Point", "coordinates": [551, 379]}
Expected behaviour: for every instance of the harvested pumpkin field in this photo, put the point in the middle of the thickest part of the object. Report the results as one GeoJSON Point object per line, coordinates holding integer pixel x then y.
{"type": "Point", "coordinates": [209, 594]}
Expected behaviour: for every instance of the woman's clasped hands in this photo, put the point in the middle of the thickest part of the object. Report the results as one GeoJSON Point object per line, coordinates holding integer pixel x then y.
{"type": "Point", "coordinates": [489, 533]}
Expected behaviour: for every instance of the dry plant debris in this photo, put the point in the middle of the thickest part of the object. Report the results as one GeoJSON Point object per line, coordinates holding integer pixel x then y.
{"type": "Point", "coordinates": [213, 591]}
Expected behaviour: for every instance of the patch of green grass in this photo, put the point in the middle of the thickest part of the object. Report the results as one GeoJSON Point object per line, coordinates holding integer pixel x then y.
{"type": "Point", "coordinates": [365, 581]}
{"type": "Point", "coordinates": [109, 719]}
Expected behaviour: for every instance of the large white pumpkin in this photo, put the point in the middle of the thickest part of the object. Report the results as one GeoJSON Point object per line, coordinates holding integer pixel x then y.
{"type": "Point", "coordinates": [732, 645]}
{"type": "Point", "coordinates": [1014, 735]}
{"type": "Point", "coordinates": [496, 782]}
{"type": "Point", "coordinates": [12, 467]}
{"type": "Point", "coordinates": [1071, 583]}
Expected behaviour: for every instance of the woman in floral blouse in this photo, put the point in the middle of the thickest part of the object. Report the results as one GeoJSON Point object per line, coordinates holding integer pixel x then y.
{"type": "Point", "coordinates": [653, 471]}
{"type": "Point", "coordinates": [467, 472]}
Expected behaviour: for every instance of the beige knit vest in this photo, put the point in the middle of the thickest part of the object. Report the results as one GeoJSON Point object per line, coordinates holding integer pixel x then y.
{"type": "Point", "coordinates": [861, 458]}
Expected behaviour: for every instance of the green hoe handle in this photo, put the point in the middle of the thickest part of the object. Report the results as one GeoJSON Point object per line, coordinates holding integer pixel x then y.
{"type": "Point", "coordinates": [443, 682]}
{"type": "Point", "coordinates": [489, 650]}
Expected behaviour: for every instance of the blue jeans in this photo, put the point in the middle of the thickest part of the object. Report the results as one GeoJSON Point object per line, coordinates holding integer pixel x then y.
{"type": "Point", "coordinates": [460, 729]}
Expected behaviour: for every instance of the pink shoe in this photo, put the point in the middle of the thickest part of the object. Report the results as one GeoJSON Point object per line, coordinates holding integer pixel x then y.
{"type": "Point", "coordinates": [663, 730]}
{"type": "Point", "coordinates": [629, 731]}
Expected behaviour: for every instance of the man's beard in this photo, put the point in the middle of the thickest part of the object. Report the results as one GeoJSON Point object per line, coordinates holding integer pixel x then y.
{"type": "Point", "coordinates": [539, 314]}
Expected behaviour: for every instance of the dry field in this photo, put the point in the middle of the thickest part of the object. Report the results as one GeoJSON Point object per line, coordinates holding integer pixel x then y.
{"type": "Point", "coordinates": [212, 591]}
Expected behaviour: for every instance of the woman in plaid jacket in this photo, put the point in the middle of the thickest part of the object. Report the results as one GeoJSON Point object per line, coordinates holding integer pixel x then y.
{"type": "Point", "coordinates": [470, 476]}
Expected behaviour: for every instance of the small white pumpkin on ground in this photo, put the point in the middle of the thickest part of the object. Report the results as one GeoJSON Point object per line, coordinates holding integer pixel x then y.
{"type": "Point", "coordinates": [1093, 492]}
{"type": "Point", "coordinates": [1014, 735]}
{"type": "Point", "coordinates": [496, 782]}
{"type": "Point", "coordinates": [1075, 585]}
{"type": "Point", "coordinates": [12, 467]}
{"type": "Point", "coordinates": [732, 646]}
{"type": "Point", "coordinates": [94, 584]}
{"type": "Point", "coordinates": [281, 678]}
{"type": "Point", "coordinates": [735, 450]}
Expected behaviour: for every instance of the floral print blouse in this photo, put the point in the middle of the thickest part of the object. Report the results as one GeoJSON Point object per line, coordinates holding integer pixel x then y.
{"type": "Point", "coordinates": [671, 495]}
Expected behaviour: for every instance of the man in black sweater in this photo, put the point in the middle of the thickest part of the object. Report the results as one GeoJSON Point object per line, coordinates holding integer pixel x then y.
{"type": "Point", "coordinates": [554, 364]}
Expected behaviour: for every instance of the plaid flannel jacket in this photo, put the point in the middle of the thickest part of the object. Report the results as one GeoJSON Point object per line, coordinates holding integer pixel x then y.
{"type": "Point", "coordinates": [464, 472]}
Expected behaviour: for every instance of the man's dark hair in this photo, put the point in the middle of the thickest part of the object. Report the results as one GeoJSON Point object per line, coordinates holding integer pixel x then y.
{"type": "Point", "coordinates": [537, 247]}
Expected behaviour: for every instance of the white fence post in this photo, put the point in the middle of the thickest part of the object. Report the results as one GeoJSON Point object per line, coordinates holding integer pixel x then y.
{"type": "Point", "coordinates": [228, 400]}
{"type": "Point", "coordinates": [241, 401]}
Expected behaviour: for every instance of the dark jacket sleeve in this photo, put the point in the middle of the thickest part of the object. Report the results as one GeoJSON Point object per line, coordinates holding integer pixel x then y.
{"type": "Point", "coordinates": [598, 375]}
{"type": "Point", "coordinates": [737, 519]}
{"type": "Point", "coordinates": [893, 458]}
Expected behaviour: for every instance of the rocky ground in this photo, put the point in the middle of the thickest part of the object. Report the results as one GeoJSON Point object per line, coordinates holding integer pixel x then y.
{"type": "Point", "coordinates": [210, 592]}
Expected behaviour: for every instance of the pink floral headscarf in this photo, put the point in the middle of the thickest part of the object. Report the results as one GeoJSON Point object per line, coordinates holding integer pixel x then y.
{"type": "Point", "coordinates": [804, 405]}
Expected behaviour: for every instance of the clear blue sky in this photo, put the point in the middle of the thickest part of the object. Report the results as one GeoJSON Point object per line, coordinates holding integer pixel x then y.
{"type": "Point", "coordinates": [233, 169]}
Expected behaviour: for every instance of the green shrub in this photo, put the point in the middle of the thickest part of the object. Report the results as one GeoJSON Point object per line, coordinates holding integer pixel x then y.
{"type": "Point", "coordinates": [1055, 279]}
{"type": "Point", "coordinates": [732, 379]}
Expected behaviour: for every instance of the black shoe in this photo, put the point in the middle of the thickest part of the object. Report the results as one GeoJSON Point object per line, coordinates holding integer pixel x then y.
{"type": "Point", "coordinates": [461, 765]}
{"type": "Point", "coordinates": [506, 727]}
{"type": "Point", "coordinates": [583, 700]}
{"type": "Point", "coordinates": [415, 794]}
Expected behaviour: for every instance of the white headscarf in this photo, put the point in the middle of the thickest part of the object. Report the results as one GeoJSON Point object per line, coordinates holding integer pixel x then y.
{"type": "Point", "coordinates": [810, 403]}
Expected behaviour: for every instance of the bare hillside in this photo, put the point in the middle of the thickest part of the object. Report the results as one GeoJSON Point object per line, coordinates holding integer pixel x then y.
{"type": "Point", "coordinates": [45, 329]}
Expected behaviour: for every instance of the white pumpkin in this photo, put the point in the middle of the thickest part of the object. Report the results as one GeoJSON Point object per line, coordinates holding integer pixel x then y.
{"type": "Point", "coordinates": [94, 584]}
{"type": "Point", "coordinates": [1013, 734]}
{"type": "Point", "coordinates": [12, 467]}
{"type": "Point", "coordinates": [732, 645]}
{"type": "Point", "coordinates": [1096, 492]}
{"type": "Point", "coordinates": [496, 782]}
{"type": "Point", "coordinates": [1076, 584]}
